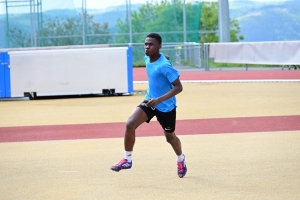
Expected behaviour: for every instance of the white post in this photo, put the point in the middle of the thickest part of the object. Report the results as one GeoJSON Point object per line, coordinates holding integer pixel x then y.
{"type": "Point", "coordinates": [31, 24]}
{"type": "Point", "coordinates": [83, 21]}
{"type": "Point", "coordinates": [130, 23]}
{"type": "Point", "coordinates": [34, 25]}
{"type": "Point", "coordinates": [184, 29]}
{"type": "Point", "coordinates": [224, 21]}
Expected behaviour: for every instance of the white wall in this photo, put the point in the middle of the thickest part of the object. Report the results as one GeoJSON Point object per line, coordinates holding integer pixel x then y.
{"type": "Point", "coordinates": [68, 71]}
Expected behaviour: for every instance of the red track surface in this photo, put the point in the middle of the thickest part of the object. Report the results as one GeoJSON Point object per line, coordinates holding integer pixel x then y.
{"type": "Point", "coordinates": [197, 126]}
{"type": "Point", "coordinates": [139, 74]}
{"type": "Point", "coordinates": [115, 130]}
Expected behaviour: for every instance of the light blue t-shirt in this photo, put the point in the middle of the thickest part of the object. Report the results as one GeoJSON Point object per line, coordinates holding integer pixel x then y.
{"type": "Point", "coordinates": [161, 74]}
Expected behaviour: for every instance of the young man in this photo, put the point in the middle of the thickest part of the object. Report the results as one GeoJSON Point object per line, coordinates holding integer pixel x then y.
{"type": "Point", "coordinates": [160, 101]}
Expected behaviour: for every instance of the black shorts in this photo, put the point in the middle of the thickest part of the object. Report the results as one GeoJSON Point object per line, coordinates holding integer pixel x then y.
{"type": "Point", "coordinates": [167, 120]}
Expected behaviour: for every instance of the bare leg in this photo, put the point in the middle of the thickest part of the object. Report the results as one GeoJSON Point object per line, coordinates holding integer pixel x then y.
{"type": "Point", "coordinates": [137, 117]}
{"type": "Point", "coordinates": [175, 142]}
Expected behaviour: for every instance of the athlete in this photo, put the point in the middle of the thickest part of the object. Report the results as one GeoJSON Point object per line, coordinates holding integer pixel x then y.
{"type": "Point", "coordinates": [160, 101]}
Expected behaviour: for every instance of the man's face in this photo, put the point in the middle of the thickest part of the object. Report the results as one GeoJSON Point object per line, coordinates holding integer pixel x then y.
{"type": "Point", "coordinates": [151, 46]}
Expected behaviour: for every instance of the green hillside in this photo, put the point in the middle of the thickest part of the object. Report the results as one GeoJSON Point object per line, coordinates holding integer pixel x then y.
{"type": "Point", "coordinates": [269, 22]}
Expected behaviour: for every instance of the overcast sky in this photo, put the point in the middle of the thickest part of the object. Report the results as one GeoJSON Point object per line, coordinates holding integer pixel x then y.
{"type": "Point", "coordinates": [106, 3]}
{"type": "Point", "coordinates": [90, 4]}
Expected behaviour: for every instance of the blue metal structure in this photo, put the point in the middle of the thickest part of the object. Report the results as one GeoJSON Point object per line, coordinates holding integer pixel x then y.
{"type": "Point", "coordinates": [5, 91]}
{"type": "Point", "coordinates": [129, 69]}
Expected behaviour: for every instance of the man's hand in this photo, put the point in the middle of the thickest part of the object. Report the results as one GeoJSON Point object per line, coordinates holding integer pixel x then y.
{"type": "Point", "coordinates": [153, 102]}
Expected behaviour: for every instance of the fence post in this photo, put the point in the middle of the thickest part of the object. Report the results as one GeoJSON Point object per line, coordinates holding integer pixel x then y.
{"type": "Point", "coordinates": [206, 56]}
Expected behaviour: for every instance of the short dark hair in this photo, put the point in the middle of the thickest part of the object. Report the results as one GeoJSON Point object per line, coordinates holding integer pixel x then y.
{"type": "Point", "coordinates": [155, 36]}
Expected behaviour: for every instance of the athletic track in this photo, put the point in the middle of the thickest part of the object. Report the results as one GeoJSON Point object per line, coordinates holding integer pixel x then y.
{"type": "Point", "coordinates": [197, 126]}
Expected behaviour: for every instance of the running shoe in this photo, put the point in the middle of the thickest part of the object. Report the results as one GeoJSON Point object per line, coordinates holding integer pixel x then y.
{"type": "Point", "coordinates": [182, 169]}
{"type": "Point", "coordinates": [123, 164]}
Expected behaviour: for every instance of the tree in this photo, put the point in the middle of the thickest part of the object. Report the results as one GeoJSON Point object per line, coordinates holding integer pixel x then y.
{"type": "Point", "coordinates": [18, 39]}
{"type": "Point", "coordinates": [166, 17]}
{"type": "Point", "coordinates": [62, 32]}
{"type": "Point", "coordinates": [209, 21]}
{"type": "Point", "coordinates": [235, 30]}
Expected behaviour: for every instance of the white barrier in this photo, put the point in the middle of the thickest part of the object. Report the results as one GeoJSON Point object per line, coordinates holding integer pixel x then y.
{"type": "Point", "coordinates": [71, 71]}
{"type": "Point", "coordinates": [269, 53]}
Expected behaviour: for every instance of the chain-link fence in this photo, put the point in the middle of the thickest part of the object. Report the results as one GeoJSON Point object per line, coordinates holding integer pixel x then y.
{"type": "Point", "coordinates": [181, 54]}
{"type": "Point", "coordinates": [187, 54]}
{"type": "Point", "coordinates": [38, 23]}
{"type": "Point", "coordinates": [47, 23]}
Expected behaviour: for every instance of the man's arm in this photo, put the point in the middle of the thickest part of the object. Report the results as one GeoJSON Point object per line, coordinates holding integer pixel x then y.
{"type": "Point", "coordinates": [174, 91]}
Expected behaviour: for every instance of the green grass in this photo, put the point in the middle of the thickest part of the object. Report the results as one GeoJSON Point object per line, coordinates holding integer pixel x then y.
{"type": "Point", "coordinates": [187, 63]}
{"type": "Point", "coordinates": [225, 65]}
{"type": "Point", "coordinates": [139, 64]}
{"type": "Point", "coordinates": [212, 64]}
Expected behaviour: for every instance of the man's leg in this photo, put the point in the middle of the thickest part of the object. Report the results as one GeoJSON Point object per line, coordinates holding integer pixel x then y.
{"type": "Point", "coordinates": [174, 141]}
{"type": "Point", "coordinates": [176, 145]}
{"type": "Point", "coordinates": [137, 117]}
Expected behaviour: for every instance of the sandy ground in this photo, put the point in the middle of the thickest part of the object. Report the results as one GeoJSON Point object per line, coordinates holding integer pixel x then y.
{"type": "Point", "coordinates": [197, 101]}
{"type": "Point", "coordinates": [220, 166]}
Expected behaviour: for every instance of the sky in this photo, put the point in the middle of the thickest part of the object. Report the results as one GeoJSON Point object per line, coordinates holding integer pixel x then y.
{"type": "Point", "coordinates": [106, 3]}
{"type": "Point", "coordinates": [102, 4]}
{"type": "Point", "coordinates": [90, 4]}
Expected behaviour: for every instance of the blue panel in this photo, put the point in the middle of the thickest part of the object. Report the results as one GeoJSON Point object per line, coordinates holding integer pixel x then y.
{"type": "Point", "coordinates": [2, 76]}
{"type": "Point", "coordinates": [7, 76]}
{"type": "Point", "coordinates": [130, 69]}
{"type": "Point", "coordinates": [5, 91]}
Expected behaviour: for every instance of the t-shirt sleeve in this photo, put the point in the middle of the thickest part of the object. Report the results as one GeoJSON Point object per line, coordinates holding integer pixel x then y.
{"type": "Point", "coordinates": [169, 72]}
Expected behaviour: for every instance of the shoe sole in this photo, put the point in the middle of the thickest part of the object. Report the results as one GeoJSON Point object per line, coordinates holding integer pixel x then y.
{"type": "Point", "coordinates": [117, 170]}
{"type": "Point", "coordinates": [182, 175]}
